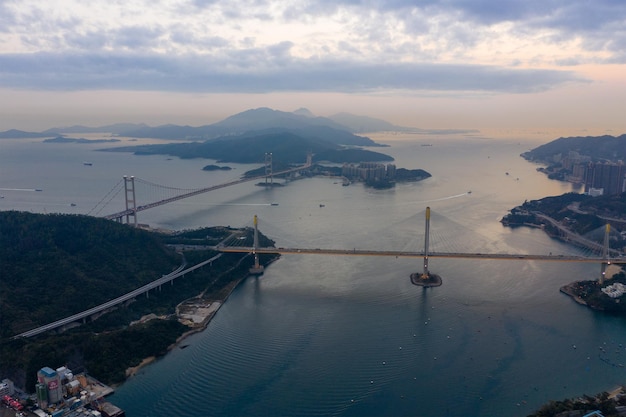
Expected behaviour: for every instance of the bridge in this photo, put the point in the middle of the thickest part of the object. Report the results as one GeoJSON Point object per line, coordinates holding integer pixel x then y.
{"type": "Point", "coordinates": [604, 259]}
{"type": "Point", "coordinates": [132, 208]}
{"type": "Point", "coordinates": [423, 278]}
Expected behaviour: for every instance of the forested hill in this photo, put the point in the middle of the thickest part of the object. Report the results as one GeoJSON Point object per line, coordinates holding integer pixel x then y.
{"type": "Point", "coordinates": [55, 265]}
{"type": "Point", "coordinates": [286, 147]}
{"type": "Point", "coordinates": [611, 148]}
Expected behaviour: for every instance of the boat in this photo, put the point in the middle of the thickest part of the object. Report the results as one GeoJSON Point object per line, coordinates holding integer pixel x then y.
{"type": "Point", "coordinates": [274, 204]}
{"type": "Point", "coordinates": [469, 192]}
{"type": "Point", "coordinates": [322, 205]}
{"type": "Point", "coordinates": [73, 204]}
{"type": "Point", "coordinates": [88, 163]}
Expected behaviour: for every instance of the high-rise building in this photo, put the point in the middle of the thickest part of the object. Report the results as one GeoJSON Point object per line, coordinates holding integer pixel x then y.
{"type": "Point", "coordinates": [50, 378]}
{"type": "Point", "coordinates": [606, 175]}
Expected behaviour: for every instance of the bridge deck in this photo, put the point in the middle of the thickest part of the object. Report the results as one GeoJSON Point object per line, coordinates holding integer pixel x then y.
{"type": "Point", "coordinates": [405, 254]}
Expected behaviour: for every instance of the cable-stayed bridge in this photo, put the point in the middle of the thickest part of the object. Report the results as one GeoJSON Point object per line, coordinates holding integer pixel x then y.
{"type": "Point", "coordinates": [597, 253]}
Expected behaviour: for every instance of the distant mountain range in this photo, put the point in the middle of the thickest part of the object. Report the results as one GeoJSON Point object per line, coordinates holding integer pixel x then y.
{"type": "Point", "coordinates": [249, 120]}
{"type": "Point", "coordinates": [608, 148]}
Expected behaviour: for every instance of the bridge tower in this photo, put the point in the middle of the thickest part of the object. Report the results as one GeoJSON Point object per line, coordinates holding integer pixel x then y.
{"type": "Point", "coordinates": [268, 168]}
{"type": "Point", "coordinates": [129, 188]}
{"type": "Point", "coordinates": [426, 278]}
{"type": "Point", "coordinates": [257, 269]}
{"type": "Point", "coordinates": [605, 253]}
{"type": "Point", "coordinates": [426, 241]}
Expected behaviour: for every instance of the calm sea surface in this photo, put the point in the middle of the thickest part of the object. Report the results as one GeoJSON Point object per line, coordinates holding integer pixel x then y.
{"type": "Point", "coordinates": [350, 336]}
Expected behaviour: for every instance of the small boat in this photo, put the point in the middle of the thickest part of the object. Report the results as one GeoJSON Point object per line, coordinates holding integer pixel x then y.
{"type": "Point", "coordinates": [469, 192]}
{"type": "Point", "coordinates": [322, 205]}
{"type": "Point", "coordinates": [38, 189]}
{"type": "Point", "coordinates": [274, 204]}
{"type": "Point", "coordinates": [73, 204]}
{"type": "Point", "coordinates": [88, 163]}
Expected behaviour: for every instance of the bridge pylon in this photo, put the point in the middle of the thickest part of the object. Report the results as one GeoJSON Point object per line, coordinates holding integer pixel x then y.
{"type": "Point", "coordinates": [257, 269]}
{"type": "Point", "coordinates": [268, 168]}
{"type": "Point", "coordinates": [131, 204]}
{"type": "Point", "coordinates": [605, 253]}
{"type": "Point", "coordinates": [426, 278]}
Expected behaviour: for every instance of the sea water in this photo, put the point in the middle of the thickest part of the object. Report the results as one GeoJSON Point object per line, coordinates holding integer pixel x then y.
{"type": "Point", "coordinates": [351, 336]}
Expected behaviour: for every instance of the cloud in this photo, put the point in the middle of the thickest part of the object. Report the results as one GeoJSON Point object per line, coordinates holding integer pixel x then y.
{"type": "Point", "coordinates": [246, 72]}
{"type": "Point", "coordinates": [329, 45]}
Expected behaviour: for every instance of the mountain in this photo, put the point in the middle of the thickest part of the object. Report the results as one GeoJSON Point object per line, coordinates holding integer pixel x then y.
{"type": "Point", "coordinates": [286, 147]}
{"type": "Point", "coordinates": [249, 120]}
{"type": "Point", "coordinates": [20, 134]}
{"type": "Point", "coordinates": [605, 147]}
{"type": "Point", "coordinates": [362, 124]}
{"type": "Point", "coordinates": [116, 128]}
{"type": "Point", "coordinates": [304, 112]}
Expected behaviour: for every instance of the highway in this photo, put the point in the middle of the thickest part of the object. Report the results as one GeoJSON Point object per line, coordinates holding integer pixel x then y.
{"type": "Point", "coordinates": [404, 254]}
{"type": "Point", "coordinates": [180, 271]}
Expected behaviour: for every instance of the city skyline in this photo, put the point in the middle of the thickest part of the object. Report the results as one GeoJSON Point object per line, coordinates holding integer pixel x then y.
{"type": "Point", "coordinates": [515, 65]}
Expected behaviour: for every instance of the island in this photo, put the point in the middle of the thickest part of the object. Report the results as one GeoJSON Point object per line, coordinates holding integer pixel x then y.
{"type": "Point", "coordinates": [63, 139]}
{"type": "Point", "coordinates": [213, 167]}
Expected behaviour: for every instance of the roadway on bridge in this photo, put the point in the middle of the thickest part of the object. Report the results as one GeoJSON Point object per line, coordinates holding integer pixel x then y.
{"type": "Point", "coordinates": [404, 254]}
{"type": "Point", "coordinates": [130, 211]}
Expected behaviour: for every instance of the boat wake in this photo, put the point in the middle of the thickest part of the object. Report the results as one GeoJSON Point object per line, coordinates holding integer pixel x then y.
{"type": "Point", "coordinates": [450, 197]}
{"type": "Point", "coordinates": [19, 189]}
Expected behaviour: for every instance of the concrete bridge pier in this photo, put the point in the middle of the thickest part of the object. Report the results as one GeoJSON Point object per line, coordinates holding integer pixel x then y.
{"type": "Point", "coordinates": [426, 278]}
{"type": "Point", "coordinates": [257, 269]}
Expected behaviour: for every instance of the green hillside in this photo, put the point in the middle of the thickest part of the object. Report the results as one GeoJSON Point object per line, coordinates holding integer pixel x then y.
{"type": "Point", "coordinates": [56, 265]}
{"type": "Point", "coordinates": [52, 266]}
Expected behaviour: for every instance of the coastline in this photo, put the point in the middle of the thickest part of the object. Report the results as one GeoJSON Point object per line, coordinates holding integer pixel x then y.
{"type": "Point", "coordinates": [195, 312]}
{"type": "Point", "coordinates": [571, 288]}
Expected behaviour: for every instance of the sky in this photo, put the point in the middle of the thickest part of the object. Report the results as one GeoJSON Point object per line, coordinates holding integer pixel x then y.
{"type": "Point", "coordinates": [533, 65]}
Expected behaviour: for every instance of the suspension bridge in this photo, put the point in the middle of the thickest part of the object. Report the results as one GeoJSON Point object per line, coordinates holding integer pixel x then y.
{"type": "Point", "coordinates": [127, 185]}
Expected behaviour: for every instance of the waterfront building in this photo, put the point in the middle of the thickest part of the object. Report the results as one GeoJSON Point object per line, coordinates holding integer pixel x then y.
{"type": "Point", "coordinates": [369, 171]}
{"type": "Point", "coordinates": [50, 378]}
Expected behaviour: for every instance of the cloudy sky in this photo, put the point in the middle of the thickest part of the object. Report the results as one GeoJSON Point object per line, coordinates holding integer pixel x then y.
{"type": "Point", "coordinates": [506, 64]}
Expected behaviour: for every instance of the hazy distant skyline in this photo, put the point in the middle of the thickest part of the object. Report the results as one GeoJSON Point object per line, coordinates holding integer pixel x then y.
{"type": "Point", "coordinates": [509, 64]}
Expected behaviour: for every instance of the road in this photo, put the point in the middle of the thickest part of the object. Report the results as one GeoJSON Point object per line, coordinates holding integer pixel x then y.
{"type": "Point", "coordinates": [179, 272]}
{"type": "Point", "coordinates": [404, 254]}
